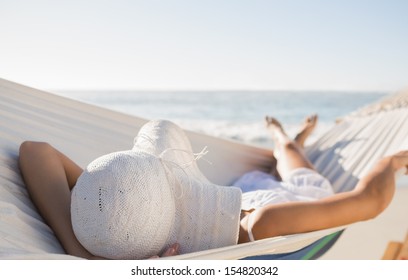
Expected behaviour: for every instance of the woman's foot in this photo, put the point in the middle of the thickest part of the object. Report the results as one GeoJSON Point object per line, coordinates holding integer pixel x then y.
{"type": "Point", "coordinates": [275, 128]}
{"type": "Point", "coordinates": [307, 128]}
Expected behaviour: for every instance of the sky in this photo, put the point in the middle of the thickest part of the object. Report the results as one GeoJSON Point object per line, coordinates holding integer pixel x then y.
{"type": "Point", "coordinates": [359, 45]}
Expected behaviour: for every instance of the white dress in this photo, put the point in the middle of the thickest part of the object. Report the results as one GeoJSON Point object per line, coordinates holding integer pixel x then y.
{"type": "Point", "coordinates": [260, 188]}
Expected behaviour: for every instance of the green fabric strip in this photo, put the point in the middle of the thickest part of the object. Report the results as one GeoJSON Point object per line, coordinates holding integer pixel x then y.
{"type": "Point", "coordinates": [319, 246]}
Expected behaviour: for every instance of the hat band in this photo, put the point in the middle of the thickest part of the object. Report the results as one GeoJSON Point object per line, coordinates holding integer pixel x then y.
{"type": "Point", "coordinates": [196, 156]}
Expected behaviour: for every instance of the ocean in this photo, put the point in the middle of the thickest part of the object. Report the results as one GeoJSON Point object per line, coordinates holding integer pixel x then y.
{"type": "Point", "coordinates": [237, 115]}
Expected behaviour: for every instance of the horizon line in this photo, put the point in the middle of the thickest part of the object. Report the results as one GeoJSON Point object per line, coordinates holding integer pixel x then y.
{"type": "Point", "coordinates": [216, 90]}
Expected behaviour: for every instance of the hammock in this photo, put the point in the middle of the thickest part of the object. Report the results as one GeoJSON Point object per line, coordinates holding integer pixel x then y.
{"type": "Point", "coordinates": [85, 132]}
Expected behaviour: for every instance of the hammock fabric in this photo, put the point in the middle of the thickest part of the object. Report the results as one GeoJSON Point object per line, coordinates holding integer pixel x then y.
{"type": "Point", "coordinates": [84, 132]}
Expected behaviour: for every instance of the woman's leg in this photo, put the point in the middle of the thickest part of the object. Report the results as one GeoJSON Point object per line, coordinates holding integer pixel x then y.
{"type": "Point", "coordinates": [288, 153]}
{"type": "Point", "coordinates": [307, 128]}
{"type": "Point", "coordinates": [49, 176]}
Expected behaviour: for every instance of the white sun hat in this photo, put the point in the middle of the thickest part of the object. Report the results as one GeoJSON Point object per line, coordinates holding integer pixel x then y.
{"type": "Point", "coordinates": [134, 204]}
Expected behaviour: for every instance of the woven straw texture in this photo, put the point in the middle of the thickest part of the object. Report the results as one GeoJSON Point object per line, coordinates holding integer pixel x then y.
{"type": "Point", "coordinates": [133, 204]}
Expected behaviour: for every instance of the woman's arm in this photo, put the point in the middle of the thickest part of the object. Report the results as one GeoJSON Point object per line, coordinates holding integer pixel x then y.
{"type": "Point", "coordinates": [49, 177]}
{"type": "Point", "coordinates": [370, 197]}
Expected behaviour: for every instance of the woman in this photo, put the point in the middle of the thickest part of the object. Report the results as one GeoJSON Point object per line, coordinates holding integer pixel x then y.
{"type": "Point", "coordinates": [50, 177]}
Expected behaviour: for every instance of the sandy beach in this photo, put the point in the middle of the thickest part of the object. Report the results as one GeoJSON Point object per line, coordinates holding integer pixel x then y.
{"type": "Point", "coordinates": [368, 240]}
